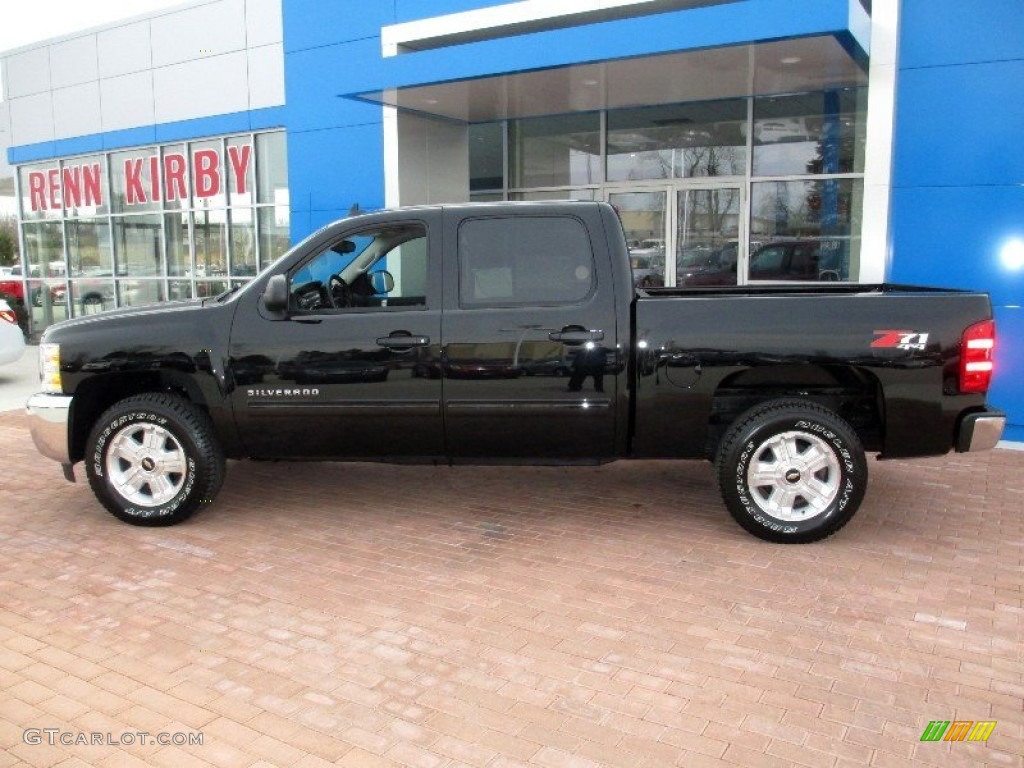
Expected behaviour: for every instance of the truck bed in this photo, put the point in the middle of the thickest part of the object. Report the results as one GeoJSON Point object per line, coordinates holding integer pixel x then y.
{"type": "Point", "coordinates": [885, 356]}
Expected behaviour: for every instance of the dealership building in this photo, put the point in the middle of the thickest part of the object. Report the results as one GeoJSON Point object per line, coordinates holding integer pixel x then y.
{"type": "Point", "coordinates": [174, 155]}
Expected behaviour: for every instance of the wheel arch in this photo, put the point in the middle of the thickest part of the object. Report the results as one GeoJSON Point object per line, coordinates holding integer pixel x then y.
{"type": "Point", "coordinates": [851, 392]}
{"type": "Point", "coordinates": [96, 394]}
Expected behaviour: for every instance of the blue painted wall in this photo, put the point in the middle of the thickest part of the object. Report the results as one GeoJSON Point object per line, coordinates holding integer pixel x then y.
{"type": "Point", "coordinates": [234, 122]}
{"type": "Point", "coordinates": [958, 177]}
{"type": "Point", "coordinates": [335, 144]}
{"type": "Point", "coordinates": [333, 50]}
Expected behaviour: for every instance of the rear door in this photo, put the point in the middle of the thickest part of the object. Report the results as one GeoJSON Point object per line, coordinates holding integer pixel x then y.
{"type": "Point", "coordinates": [531, 358]}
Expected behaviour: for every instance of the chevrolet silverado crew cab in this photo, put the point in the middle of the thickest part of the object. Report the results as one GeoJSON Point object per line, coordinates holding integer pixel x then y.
{"type": "Point", "coordinates": [513, 332]}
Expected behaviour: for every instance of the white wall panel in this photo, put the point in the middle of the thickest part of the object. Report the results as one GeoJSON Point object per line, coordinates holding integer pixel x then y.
{"type": "Point", "coordinates": [125, 49]}
{"type": "Point", "coordinates": [210, 58]}
{"type": "Point", "coordinates": [266, 76]}
{"type": "Point", "coordinates": [127, 101]}
{"type": "Point", "coordinates": [5, 139]}
{"type": "Point", "coordinates": [876, 244]}
{"type": "Point", "coordinates": [28, 72]}
{"type": "Point", "coordinates": [76, 110]}
{"type": "Point", "coordinates": [199, 88]}
{"type": "Point", "coordinates": [31, 119]}
{"type": "Point", "coordinates": [194, 33]}
{"type": "Point", "coordinates": [73, 62]}
{"type": "Point", "coordinates": [263, 22]}
{"type": "Point", "coordinates": [433, 158]}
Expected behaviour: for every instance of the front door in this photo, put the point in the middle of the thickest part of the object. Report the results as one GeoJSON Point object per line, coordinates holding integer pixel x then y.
{"type": "Point", "coordinates": [352, 370]}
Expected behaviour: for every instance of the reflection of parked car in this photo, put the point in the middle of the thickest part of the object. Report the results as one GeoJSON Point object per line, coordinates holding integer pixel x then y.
{"type": "Point", "coordinates": [710, 268]}
{"type": "Point", "coordinates": [333, 368]}
{"type": "Point", "coordinates": [551, 366]}
{"type": "Point", "coordinates": [797, 260]}
{"type": "Point", "coordinates": [58, 293]}
{"type": "Point", "coordinates": [94, 294]}
{"type": "Point", "coordinates": [481, 369]}
{"type": "Point", "coordinates": [647, 260]}
{"type": "Point", "coordinates": [12, 341]}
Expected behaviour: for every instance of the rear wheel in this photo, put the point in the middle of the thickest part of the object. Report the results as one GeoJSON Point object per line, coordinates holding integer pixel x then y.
{"type": "Point", "coordinates": [791, 471]}
{"type": "Point", "coordinates": [153, 459]}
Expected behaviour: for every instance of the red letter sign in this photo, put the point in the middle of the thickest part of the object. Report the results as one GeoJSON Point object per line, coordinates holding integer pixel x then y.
{"type": "Point", "coordinates": [36, 193]}
{"type": "Point", "coordinates": [239, 156]}
{"type": "Point", "coordinates": [71, 181]}
{"type": "Point", "coordinates": [174, 176]}
{"type": "Point", "coordinates": [53, 177]}
{"type": "Point", "coordinates": [207, 178]}
{"type": "Point", "coordinates": [91, 182]}
{"type": "Point", "coordinates": [133, 181]}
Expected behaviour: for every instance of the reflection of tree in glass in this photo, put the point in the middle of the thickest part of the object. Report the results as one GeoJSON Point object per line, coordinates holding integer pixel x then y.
{"type": "Point", "coordinates": [710, 161]}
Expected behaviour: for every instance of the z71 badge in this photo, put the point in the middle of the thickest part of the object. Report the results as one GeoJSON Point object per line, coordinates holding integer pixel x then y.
{"type": "Point", "coordinates": [901, 340]}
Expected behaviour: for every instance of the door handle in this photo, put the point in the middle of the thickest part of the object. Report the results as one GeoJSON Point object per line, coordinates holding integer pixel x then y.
{"type": "Point", "coordinates": [403, 341]}
{"type": "Point", "coordinates": [576, 336]}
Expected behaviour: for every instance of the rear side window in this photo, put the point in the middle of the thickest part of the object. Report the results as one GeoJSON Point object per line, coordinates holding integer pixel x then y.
{"type": "Point", "coordinates": [523, 261]}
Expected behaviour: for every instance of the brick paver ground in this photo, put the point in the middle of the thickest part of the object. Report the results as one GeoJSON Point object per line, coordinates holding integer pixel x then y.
{"type": "Point", "coordinates": [364, 615]}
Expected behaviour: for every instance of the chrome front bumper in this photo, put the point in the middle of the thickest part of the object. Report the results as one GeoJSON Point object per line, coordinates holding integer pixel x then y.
{"type": "Point", "coordinates": [48, 417]}
{"type": "Point", "coordinates": [980, 431]}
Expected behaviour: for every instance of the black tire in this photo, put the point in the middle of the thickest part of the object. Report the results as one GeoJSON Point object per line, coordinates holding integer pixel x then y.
{"type": "Point", "coordinates": [134, 450]}
{"type": "Point", "coordinates": [798, 498]}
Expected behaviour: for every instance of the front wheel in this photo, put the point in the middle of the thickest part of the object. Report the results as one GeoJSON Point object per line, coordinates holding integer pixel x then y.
{"type": "Point", "coordinates": [153, 459]}
{"type": "Point", "coordinates": [791, 471]}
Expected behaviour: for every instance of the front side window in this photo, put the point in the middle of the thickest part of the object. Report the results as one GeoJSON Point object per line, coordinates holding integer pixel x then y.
{"type": "Point", "coordinates": [523, 261]}
{"type": "Point", "coordinates": [378, 268]}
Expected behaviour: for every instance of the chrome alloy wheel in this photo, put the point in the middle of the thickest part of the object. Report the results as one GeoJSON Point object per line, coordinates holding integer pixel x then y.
{"type": "Point", "coordinates": [146, 464]}
{"type": "Point", "coordinates": [794, 476]}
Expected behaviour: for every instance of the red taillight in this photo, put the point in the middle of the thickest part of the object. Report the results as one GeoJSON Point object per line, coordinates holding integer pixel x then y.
{"type": "Point", "coordinates": [9, 316]}
{"type": "Point", "coordinates": [976, 349]}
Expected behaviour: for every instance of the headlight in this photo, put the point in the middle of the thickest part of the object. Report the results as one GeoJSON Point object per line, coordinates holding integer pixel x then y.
{"type": "Point", "coordinates": [49, 368]}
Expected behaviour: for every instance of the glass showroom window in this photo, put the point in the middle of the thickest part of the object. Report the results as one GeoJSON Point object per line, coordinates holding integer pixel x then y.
{"type": "Point", "coordinates": [273, 207]}
{"type": "Point", "coordinates": [486, 160]}
{"type": "Point", "coordinates": [812, 133]}
{"type": "Point", "coordinates": [807, 194]}
{"type": "Point", "coordinates": [46, 287]}
{"type": "Point", "coordinates": [806, 230]}
{"type": "Point", "coordinates": [152, 223]}
{"type": "Point", "coordinates": [90, 265]}
{"type": "Point", "coordinates": [678, 141]}
{"type": "Point", "coordinates": [555, 151]}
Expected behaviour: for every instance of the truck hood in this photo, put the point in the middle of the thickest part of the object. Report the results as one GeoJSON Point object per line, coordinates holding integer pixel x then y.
{"type": "Point", "coordinates": [126, 316]}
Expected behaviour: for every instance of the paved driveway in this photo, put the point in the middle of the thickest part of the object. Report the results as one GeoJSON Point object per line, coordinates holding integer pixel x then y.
{"type": "Point", "coordinates": [367, 615]}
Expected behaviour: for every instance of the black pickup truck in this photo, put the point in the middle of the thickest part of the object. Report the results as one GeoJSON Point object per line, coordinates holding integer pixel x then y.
{"type": "Point", "coordinates": [513, 332]}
